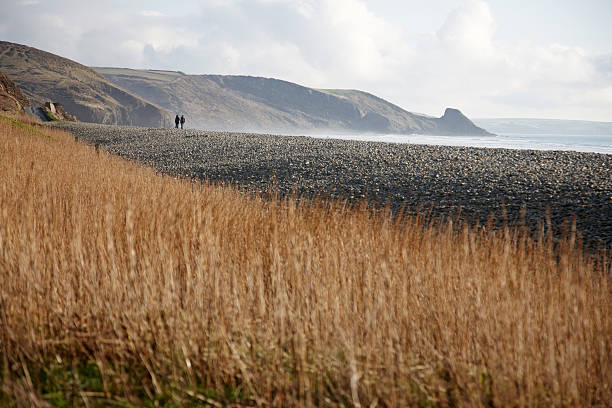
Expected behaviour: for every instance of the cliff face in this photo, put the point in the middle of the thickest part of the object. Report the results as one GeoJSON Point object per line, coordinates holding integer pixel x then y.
{"type": "Point", "coordinates": [11, 97]}
{"type": "Point", "coordinates": [230, 102]}
{"type": "Point", "coordinates": [80, 90]}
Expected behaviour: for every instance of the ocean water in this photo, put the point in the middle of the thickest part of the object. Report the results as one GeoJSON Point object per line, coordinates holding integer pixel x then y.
{"type": "Point", "coordinates": [578, 143]}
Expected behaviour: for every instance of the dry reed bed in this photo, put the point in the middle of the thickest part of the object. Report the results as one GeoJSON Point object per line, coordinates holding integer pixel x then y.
{"type": "Point", "coordinates": [202, 294]}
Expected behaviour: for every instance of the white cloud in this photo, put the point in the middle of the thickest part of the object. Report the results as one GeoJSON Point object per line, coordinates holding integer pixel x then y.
{"type": "Point", "coordinates": [464, 65]}
{"type": "Point", "coordinates": [151, 13]}
{"type": "Point", "coordinates": [469, 29]}
{"type": "Point", "coordinates": [333, 43]}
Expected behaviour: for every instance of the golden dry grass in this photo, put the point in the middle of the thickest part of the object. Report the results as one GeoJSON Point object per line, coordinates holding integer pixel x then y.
{"type": "Point", "coordinates": [121, 286]}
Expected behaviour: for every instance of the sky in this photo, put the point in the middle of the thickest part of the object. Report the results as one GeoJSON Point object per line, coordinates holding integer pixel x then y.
{"type": "Point", "coordinates": [488, 58]}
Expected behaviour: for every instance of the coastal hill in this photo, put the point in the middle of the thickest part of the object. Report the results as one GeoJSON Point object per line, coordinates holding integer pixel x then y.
{"type": "Point", "coordinates": [150, 98]}
{"type": "Point", "coordinates": [80, 90]}
{"type": "Point", "coordinates": [245, 103]}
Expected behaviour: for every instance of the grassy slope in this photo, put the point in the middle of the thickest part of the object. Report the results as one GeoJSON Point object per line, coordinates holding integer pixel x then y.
{"type": "Point", "coordinates": [123, 287]}
{"type": "Point", "coordinates": [83, 92]}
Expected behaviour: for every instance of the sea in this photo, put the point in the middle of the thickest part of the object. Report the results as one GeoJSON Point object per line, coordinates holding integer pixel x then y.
{"type": "Point", "coordinates": [578, 143]}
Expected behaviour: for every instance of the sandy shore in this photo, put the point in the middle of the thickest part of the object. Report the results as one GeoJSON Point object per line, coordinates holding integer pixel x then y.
{"type": "Point", "coordinates": [478, 182]}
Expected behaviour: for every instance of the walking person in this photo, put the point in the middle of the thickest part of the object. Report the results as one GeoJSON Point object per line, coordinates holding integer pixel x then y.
{"type": "Point", "coordinates": [176, 121]}
{"type": "Point", "coordinates": [182, 121]}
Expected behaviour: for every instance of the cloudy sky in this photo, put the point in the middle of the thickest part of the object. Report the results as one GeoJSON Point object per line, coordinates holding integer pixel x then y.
{"type": "Point", "coordinates": [489, 58]}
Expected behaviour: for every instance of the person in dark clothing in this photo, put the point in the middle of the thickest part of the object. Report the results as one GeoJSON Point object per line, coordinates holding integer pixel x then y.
{"type": "Point", "coordinates": [182, 121]}
{"type": "Point", "coordinates": [176, 121]}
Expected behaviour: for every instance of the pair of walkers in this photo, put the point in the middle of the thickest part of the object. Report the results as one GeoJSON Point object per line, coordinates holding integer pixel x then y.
{"type": "Point", "coordinates": [180, 120]}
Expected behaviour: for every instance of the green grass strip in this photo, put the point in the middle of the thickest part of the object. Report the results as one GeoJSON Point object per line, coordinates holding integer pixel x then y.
{"type": "Point", "coordinates": [19, 124]}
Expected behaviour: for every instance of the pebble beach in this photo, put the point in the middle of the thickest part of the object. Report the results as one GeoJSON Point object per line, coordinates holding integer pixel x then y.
{"type": "Point", "coordinates": [466, 183]}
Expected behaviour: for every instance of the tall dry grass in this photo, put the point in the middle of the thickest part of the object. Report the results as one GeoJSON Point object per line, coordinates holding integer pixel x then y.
{"type": "Point", "coordinates": [121, 286]}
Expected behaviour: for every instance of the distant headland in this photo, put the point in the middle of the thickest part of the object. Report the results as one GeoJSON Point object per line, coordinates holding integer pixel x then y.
{"type": "Point", "coordinates": [151, 98]}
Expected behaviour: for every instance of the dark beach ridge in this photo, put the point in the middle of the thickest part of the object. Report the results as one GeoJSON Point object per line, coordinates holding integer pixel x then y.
{"type": "Point", "coordinates": [469, 183]}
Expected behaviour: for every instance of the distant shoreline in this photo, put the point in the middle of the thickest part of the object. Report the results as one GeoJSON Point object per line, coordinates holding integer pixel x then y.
{"type": "Point", "coordinates": [577, 143]}
{"type": "Point", "coordinates": [534, 126]}
{"type": "Point", "coordinates": [472, 182]}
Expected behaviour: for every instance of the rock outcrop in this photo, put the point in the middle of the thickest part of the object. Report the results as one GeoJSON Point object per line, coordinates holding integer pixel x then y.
{"type": "Point", "coordinates": [55, 111]}
{"type": "Point", "coordinates": [11, 97]}
{"type": "Point", "coordinates": [455, 122]}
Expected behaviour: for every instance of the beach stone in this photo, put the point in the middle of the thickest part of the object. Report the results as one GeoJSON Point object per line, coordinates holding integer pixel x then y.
{"type": "Point", "coordinates": [467, 184]}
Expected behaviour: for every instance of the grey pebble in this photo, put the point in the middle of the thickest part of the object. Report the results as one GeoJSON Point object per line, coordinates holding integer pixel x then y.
{"type": "Point", "coordinates": [464, 182]}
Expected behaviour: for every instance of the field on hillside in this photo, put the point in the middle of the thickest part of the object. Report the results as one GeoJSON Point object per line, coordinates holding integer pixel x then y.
{"type": "Point", "coordinates": [158, 75]}
{"type": "Point", "coordinates": [120, 286]}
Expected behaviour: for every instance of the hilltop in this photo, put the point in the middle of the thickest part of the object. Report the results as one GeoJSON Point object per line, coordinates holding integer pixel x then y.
{"type": "Point", "coordinates": [80, 90]}
{"type": "Point", "coordinates": [246, 103]}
